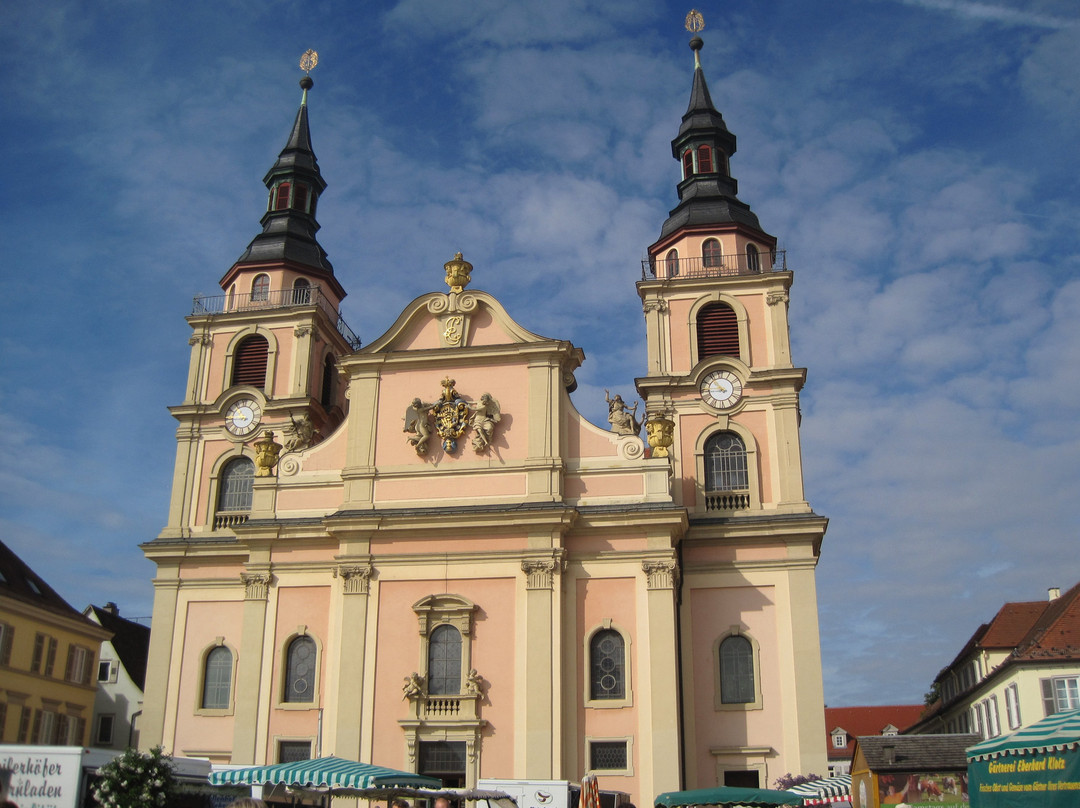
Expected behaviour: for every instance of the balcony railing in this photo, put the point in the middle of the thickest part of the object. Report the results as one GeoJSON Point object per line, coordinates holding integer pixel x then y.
{"type": "Point", "coordinates": [727, 500]}
{"type": "Point", "coordinates": [276, 299]}
{"type": "Point", "coordinates": [226, 521]}
{"type": "Point", "coordinates": [717, 266]}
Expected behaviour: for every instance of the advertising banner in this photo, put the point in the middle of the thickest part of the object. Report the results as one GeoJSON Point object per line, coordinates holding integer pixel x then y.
{"type": "Point", "coordinates": [40, 779]}
{"type": "Point", "coordinates": [1044, 779]}
{"type": "Point", "coordinates": [919, 790]}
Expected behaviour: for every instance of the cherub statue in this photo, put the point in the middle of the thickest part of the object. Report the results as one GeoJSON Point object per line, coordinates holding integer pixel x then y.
{"type": "Point", "coordinates": [623, 420]}
{"type": "Point", "coordinates": [416, 422]}
{"type": "Point", "coordinates": [473, 681]}
{"type": "Point", "coordinates": [413, 687]}
{"type": "Point", "coordinates": [486, 414]}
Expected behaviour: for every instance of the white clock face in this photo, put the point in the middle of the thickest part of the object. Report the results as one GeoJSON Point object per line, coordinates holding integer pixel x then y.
{"type": "Point", "coordinates": [721, 388]}
{"type": "Point", "coordinates": [243, 416]}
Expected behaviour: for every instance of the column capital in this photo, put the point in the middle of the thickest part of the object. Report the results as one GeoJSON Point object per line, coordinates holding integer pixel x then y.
{"type": "Point", "coordinates": [661, 574]}
{"type": "Point", "coordinates": [355, 578]}
{"type": "Point", "coordinates": [256, 585]}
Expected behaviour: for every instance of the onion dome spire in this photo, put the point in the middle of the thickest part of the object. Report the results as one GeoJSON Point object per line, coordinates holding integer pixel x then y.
{"type": "Point", "coordinates": [295, 184]}
{"type": "Point", "coordinates": [707, 192]}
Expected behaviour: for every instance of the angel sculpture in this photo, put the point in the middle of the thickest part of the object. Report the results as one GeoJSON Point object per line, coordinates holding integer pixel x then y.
{"type": "Point", "coordinates": [623, 419]}
{"type": "Point", "coordinates": [416, 422]}
{"type": "Point", "coordinates": [486, 414]}
{"type": "Point", "coordinates": [413, 687]}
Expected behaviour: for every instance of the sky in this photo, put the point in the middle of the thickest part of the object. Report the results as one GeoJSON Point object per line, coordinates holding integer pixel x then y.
{"type": "Point", "coordinates": [916, 158]}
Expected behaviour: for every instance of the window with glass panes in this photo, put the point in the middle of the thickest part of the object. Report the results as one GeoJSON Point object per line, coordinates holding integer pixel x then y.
{"type": "Point", "coordinates": [217, 679]}
{"type": "Point", "coordinates": [736, 671]}
{"type": "Point", "coordinates": [300, 671]}
{"type": "Point", "coordinates": [725, 463]}
{"type": "Point", "coordinates": [610, 755]}
{"type": "Point", "coordinates": [607, 662]}
{"type": "Point", "coordinates": [444, 661]}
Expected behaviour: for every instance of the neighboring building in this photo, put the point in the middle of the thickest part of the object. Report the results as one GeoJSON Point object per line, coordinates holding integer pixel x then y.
{"type": "Point", "coordinates": [121, 674]}
{"type": "Point", "coordinates": [910, 770]}
{"type": "Point", "coordinates": [503, 589]}
{"type": "Point", "coordinates": [1015, 670]}
{"type": "Point", "coordinates": [844, 724]}
{"type": "Point", "coordinates": [48, 658]}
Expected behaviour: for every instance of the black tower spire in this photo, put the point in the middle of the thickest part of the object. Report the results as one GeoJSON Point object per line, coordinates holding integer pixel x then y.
{"type": "Point", "coordinates": [703, 146]}
{"type": "Point", "coordinates": [295, 184]}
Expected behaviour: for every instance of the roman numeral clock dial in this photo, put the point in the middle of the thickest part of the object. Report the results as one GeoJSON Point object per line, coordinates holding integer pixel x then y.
{"type": "Point", "coordinates": [243, 416]}
{"type": "Point", "coordinates": [721, 389]}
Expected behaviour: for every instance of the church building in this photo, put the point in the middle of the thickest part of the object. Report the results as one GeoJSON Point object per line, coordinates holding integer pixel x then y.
{"type": "Point", "coordinates": [415, 552]}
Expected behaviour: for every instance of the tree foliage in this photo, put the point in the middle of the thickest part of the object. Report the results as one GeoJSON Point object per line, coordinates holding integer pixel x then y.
{"type": "Point", "coordinates": [790, 780]}
{"type": "Point", "coordinates": [136, 780]}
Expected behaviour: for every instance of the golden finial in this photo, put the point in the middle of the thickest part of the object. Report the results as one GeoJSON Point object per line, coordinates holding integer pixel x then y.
{"type": "Point", "coordinates": [311, 58]}
{"type": "Point", "coordinates": [695, 23]}
{"type": "Point", "coordinates": [457, 273]}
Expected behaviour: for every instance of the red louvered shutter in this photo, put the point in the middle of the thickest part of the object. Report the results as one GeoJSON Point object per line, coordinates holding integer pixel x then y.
{"type": "Point", "coordinates": [717, 331]}
{"type": "Point", "coordinates": [249, 364]}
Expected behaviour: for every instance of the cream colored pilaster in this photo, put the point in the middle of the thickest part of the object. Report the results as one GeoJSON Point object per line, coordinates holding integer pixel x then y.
{"type": "Point", "coordinates": [359, 471]}
{"type": "Point", "coordinates": [301, 360]}
{"type": "Point", "coordinates": [185, 470]}
{"type": "Point", "coordinates": [804, 726]}
{"type": "Point", "coordinates": [780, 342]}
{"type": "Point", "coordinates": [788, 454]}
{"type": "Point", "coordinates": [348, 687]}
{"type": "Point", "coordinates": [159, 661]}
{"type": "Point", "coordinates": [544, 473]}
{"type": "Point", "coordinates": [659, 740]}
{"type": "Point", "coordinates": [249, 665]}
{"type": "Point", "coordinates": [201, 344]}
{"type": "Point", "coordinates": [542, 750]}
{"type": "Point", "coordinates": [656, 336]}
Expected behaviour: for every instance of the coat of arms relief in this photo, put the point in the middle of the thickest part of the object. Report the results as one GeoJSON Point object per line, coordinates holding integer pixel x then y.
{"type": "Point", "coordinates": [451, 415]}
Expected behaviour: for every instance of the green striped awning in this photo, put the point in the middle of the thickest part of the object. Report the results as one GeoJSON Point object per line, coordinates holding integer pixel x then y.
{"type": "Point", "coordinates": [726, 795]}
{"type": "Point", "coordinates": [1053, 734]}
{"type": "Point", "coordinates": [322, 773]}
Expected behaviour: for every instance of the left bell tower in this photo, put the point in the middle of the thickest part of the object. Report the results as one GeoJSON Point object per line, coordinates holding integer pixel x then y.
{"type": "Point", "coordinates": [264, 353]}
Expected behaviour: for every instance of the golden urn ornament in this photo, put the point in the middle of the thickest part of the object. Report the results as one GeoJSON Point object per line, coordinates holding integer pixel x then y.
{"type": "Point", "coordinates": [457, 273]}
{"type": "Point", "coordinates": [267, 451]}
{"type": "Point", "coordinates": [660, 431]}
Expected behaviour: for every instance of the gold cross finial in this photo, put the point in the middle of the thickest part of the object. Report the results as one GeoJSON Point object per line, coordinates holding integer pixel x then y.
{"type": "Point", "coordinates": [695, 23]}
{"type": "Point", "coordinates": [309, 60]}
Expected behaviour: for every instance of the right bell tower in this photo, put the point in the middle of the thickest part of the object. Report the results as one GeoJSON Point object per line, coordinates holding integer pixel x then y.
{"type": "Point", "coordinates": [722, 402]}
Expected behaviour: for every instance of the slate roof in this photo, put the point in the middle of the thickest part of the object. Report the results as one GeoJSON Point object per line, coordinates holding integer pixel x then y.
{"type": "Point", "coordinates": [20, 583]}
{"type": "Point", "coordinates": [917, 753]}
{"type": "Point", "coordinates": [130, 640]}
{"type": "Point", "coordinates": [857, 721]}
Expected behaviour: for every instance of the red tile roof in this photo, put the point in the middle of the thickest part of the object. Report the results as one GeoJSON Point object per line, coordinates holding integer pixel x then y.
{"type": "Point", "coordinates": [1012, 623]}
{"type": "Point", "coordinates": [856, 721]}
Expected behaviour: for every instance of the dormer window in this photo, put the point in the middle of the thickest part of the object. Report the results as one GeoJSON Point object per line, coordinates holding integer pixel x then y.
{"type": "Point", "coordinates": [687, 163]}
{"type": "Point", "coordinates": [839, 739]}
{"type": "Point", "coordinates": [704, 160]}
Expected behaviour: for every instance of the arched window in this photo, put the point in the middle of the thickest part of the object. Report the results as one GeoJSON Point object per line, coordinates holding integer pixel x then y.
{"type": "Point", "coordinates": [687, 163]}
{"type": "Point", "coordinates": [260, 288]}
{"type": "Point", "coordinates": [711, 254]}
{"type": "Point", "coordinates": [326, 397]}
{"type": "Point", "coordinates": [281, 200]}
{"type": "Point", "coordinates": [217, 679]}
{"type": "Point", "coordinates": [672, 263]}
{"type": "Point", "coordinates": [737, 671]}
{"type": "Point", "coordinates": [301, 291]}
{"type": "Point", "coordinates": [753, 259]}
{"type": "Point", "coordinates": [300, 197]}
{"type": "Point", "coordinates": [725, 463]}
{"type": "Point", "coordinates": [300, 671]}
{"type": "Point", "coordinates": [717, 331]}
{"type": "Point", "coordinates": [249, 362]}
{"type": "Point", "coordinates": [704, 160]}
{"type": "Point", "coordinates": [607, 665]}
{"type": "Point", "coordinates": [444, 661]}
{"type": "Point", "coordinates": [237, 485]}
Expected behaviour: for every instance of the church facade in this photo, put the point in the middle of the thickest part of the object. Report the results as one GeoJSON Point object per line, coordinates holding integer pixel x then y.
{"type": "Point", "coordinates": [416, 552]}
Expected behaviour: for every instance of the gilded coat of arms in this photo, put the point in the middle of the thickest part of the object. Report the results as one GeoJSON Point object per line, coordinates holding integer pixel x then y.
{"type": "Point", "coordinates": [452, 415]}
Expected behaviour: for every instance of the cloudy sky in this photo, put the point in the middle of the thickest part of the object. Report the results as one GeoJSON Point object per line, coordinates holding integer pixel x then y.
{"type": "Point", "coordinates": [917, 159]}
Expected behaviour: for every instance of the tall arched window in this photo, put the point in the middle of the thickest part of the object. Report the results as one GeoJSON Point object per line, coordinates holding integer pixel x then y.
{"type": "Point", "coordinates": [217, 679]}
{"type": "Point", "coordinates": [326, 397]}
{"type": "Point", "coordinates": [704, 160]}
{"type": "Point", "coordinates": [237, 485]}
{"type": "Point", "coordinates": [249, 361]}
{"type": "Point", "coordinates": [753, 259]}
{"type": "Point", "coordinates": [711, 254]}
{"type": "Point", "coordinates": [444, 661]}
{"type": "Point", "coordinates": [607, 665]}
{"type": "Point", "coordinates": [300, 671]}
{"type": "Point", "coordinates": [687, 163]}
{"type": "Point", "coordinates": [725, 463]}
{"type": "Point", "coordinates": [737, 671]}
{"type": "Point", "coordinates": [281, 199]}
{"type": "Point", "coordinates": [672, 263]}
{"type": "Point", "coordinates": [717, 331]}
{"type": "Point", "coordinates": [301, 291]}
{"type": "Point", "coordinates": [260, 288]}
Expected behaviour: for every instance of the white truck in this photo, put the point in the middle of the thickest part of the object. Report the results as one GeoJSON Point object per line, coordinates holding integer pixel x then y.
{"type": "Point", "coordinates": [60, 776]}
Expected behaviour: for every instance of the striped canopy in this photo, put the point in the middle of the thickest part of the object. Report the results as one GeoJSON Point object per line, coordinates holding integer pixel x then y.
{"type": "Point", "coordinates": [1054, 733]}
{"type": "Point", "coordinates": [727, 796]}
{"type": "Point", "coordinates": [332, 773]}
{"type": "Point", "coordinates": [831, 789]}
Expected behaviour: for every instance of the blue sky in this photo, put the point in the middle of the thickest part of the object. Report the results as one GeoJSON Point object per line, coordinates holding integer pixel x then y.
{"type": "Point", "coordinates": [916, 159]}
